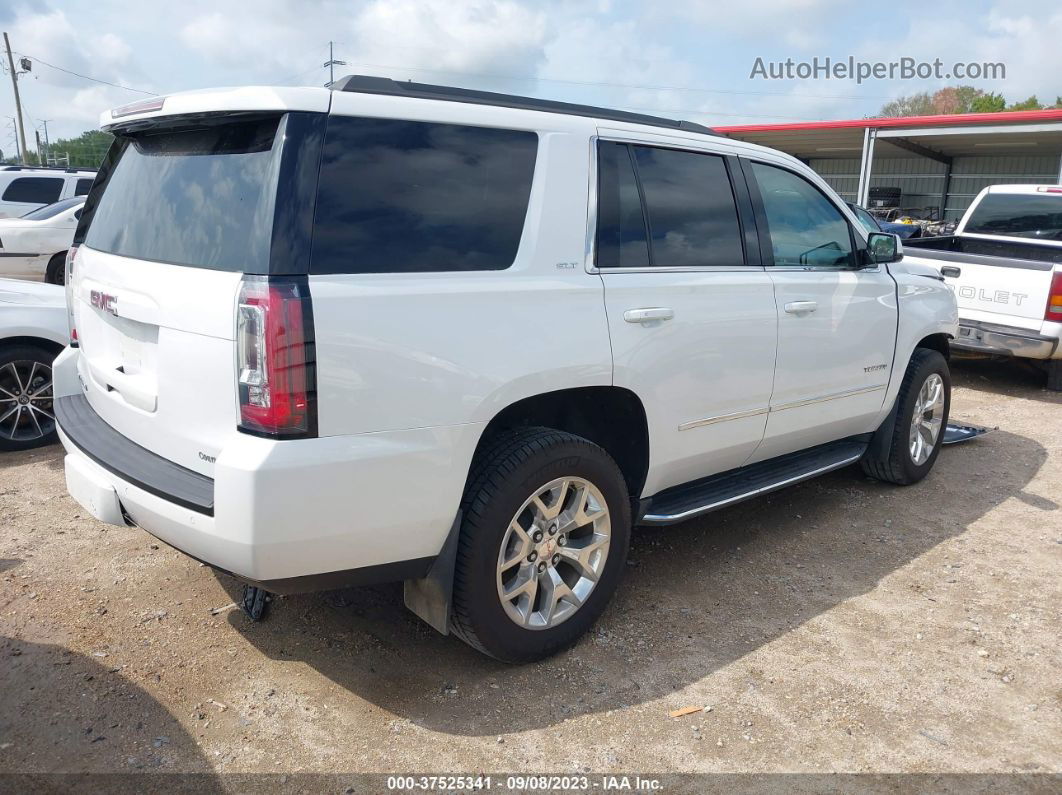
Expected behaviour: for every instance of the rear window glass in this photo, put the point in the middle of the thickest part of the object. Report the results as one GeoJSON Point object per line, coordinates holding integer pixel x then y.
{"type": "Point", "coordinates": [201, 197]}
{"type": "Point", "coordinates": [1036, 216]}
{"type": "Point", "coordinates": [403, 196]}
{"type": "Point", "coordinates": [83, 186]}
{"type": "Point", "coordinates": [33, 190]}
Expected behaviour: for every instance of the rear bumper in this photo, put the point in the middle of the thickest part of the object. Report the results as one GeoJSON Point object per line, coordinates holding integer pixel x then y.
{"type": "Point", "coordinates": [1004, 340]}
{"type": "Point", "coordinates": [290, 516]}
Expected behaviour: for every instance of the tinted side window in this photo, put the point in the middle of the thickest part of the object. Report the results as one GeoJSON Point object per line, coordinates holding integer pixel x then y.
{"type": "Point", "coordinates": [806, 228]}
{"type": "Point", "coordinates": [403, 196]}
{"type": "Point", "coordinates": [692, 215]}
{"type": "Point", "coordinates": [83, 186]}
{"type": "Point", "coordinates": [621, 239]}
{"type": "Point", "coordinates": [38, 190]}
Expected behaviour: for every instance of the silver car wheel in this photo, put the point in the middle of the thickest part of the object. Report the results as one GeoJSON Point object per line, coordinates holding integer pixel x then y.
{"type": "Point", "coordinates": [553, 553]}
{"type": "Point", "coordinates": [26, 401]}
{"type": "Point", "coordinates": [927, 419]}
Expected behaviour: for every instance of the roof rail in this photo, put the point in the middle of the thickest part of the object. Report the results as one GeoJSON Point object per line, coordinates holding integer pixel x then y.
{"type": "Point", "coordinates": [64, 169]}
{"type": "Point", "coordinates": [365, 84]}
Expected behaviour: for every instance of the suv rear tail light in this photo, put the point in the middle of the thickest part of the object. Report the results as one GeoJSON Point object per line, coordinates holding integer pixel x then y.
{"type": "Point", "coordinates": [1054, 299]}
{"type": "Point", "coordinates": [68, 279]}
{"type": "Point", "coordinates": [275, 358]}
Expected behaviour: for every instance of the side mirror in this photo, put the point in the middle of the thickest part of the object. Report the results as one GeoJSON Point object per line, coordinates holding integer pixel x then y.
{"type": "Point", "coordinates": [883, 247]}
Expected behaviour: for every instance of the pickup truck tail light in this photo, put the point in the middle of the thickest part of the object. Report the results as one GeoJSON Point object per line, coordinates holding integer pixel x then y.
{"type": "Point", "coordinates": [68, 285]}
{"type": "Point", "coordinates": [275, 358]}
{"type": "Point", "coordinates": [1054, 299]}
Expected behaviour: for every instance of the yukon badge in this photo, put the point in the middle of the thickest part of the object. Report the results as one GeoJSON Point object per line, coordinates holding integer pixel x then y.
{"type": "Point", "coordinates": [108, 303]}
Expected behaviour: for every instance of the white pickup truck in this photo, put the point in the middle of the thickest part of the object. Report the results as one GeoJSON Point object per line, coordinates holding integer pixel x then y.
{"type": "Point", "coordinates": [1004, 263]}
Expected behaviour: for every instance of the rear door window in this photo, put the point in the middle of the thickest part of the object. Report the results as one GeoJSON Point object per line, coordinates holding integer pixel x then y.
{"type": "Point", "coordinates": [202, 197]}
{"type": "Point", "coordinates": [400, 196]}
{"type": "Point", "coordinates": [33, 190]}
{"type": "Point", "coordinates": [693, 219]}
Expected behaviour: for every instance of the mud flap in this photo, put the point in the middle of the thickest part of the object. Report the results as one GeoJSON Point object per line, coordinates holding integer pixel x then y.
{"type": "Point", "coordinates": [430, 597]}
{"type": "Point", "coordinates": [955, 432]}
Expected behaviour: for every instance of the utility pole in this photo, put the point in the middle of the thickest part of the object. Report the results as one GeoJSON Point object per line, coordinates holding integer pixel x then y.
{"type": "Point", "coordinates": [40, 152]}
{"type": "Point", "coordinates": [18, 102]}
{"type": "Point", "coordinates": [47, 142]}
{"type": "Point", "coordinates": [331, 63]}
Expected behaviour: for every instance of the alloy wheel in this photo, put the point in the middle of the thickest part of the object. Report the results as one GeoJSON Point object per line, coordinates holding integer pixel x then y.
{"type": "Point", "coordinates": [553, 553]}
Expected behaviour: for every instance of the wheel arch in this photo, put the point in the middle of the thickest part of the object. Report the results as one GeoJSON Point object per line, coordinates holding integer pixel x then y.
{"type": "Point", "coordinates": [37, 342]}
{"type": "Point", "coordinates": [939, 342]}
{"type": "Point", "coordinates": [609, 416]}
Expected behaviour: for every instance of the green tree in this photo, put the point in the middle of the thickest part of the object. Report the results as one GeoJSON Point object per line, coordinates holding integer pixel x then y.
{"type": "Point", "coordinates": [1032, 103]}
{"type": "Point", "coordinates": [86, 150]}
{"type": "Point", "coordinates": [988, 103]}
{"type": "Point", "coordinates": [920, 104]}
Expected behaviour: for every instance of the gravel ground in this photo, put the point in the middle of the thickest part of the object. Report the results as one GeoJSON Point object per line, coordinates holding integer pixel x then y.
{"type": "Point", "coordinates": [841, 625]}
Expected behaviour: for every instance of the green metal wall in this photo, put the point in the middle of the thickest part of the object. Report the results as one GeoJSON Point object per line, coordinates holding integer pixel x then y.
{"type": "Point", "coordinates": [921, 179]}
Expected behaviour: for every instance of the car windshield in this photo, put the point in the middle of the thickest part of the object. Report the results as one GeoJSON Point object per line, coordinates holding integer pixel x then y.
{"type": "Point", "coordinates": [51, 210]}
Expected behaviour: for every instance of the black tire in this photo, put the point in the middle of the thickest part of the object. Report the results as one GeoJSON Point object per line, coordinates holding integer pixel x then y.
{"type": "Point", "coordinates": [505, 475]}
{"type": "Point", "coordinates": [889, 456]}
{"type": "Point", "coordinates": [1054, 375]}
{"type": "Point", "coordinates": [56, 270]}
{"type": "Point", "coordinates": [17, 431]}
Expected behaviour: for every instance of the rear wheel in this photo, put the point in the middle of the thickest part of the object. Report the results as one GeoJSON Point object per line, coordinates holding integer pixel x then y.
{"type": "Point", "coordinates": [905, 447]}
{"type": "Point", "coordinates": [546, 525]}
{"type": "Point", "coordinates": [26, 416]}
{"type": "Point", "coordinates": [1054, 375]}
{"type": "Point", "coordinates": [56, 271]}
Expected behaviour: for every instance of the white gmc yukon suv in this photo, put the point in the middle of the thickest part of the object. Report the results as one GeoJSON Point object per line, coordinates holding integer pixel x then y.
{"type": "Point", "coordinates": [392, 331]}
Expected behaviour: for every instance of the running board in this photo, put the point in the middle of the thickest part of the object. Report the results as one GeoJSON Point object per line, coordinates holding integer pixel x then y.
{"type": "Point", "coordinates": [955, 432]}
{"type": "Point", "coordinates": [736, 485]}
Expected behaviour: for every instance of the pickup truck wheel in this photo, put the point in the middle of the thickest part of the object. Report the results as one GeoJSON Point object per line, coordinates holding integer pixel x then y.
{"type": "Point", "coordinates": [905, 447]}
{"type": "Point", "coordinates": [1054, 375]}
{"type": "Point", "coordinates": [546, 526]}
{"type": "Point", "coordinates": [26, 418]}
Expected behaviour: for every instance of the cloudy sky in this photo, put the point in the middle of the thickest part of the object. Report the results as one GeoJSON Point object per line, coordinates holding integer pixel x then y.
{"type": "Point", "coordinates": [692, 60]}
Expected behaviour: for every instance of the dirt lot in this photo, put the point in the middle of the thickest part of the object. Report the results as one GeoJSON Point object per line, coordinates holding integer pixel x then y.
{"type": "Point", "coordinates": [842, 625]}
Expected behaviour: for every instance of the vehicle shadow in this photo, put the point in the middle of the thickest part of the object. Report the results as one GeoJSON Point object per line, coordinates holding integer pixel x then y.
{"type": "Point", "coordinates": [52, 454]}
{"type": "Point", "coordinates": [696, 597]}
{"type": "Point", "coordinates": [1001, 375]}
{"type": "Point", "coordinates": [64, 713]}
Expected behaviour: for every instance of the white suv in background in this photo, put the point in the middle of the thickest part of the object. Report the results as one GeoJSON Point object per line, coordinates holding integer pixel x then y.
{"type": "Point", "coordinates": [392, 331]}
{"type": "Point", "coordinates": [25, 188]}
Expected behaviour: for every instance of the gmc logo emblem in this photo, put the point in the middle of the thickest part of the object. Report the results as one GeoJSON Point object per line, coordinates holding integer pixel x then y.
{"type": "Point", "coordinates": [105, 302]}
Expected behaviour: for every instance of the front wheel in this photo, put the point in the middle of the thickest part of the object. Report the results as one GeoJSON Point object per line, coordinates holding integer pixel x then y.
{"type": "Point", "coordinates": [905, 447]}
{"type": "Point", "coordinates": [546, 526]}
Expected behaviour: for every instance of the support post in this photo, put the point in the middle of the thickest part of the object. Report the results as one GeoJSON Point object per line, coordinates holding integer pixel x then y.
{"type": "Point", "coordinates": [945, 189]}
{"type": "Point", "coordinates": [866, 166]}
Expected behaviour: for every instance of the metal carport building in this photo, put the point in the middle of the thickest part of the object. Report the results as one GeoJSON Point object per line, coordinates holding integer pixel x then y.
{"type": "Point", "coordinates": [939, 162]}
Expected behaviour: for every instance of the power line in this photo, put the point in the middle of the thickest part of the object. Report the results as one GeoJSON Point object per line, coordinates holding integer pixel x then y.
{"type": "Point", "coordinates": [620, 85]}
{"type": "Point", "coordinates": [87, 77]}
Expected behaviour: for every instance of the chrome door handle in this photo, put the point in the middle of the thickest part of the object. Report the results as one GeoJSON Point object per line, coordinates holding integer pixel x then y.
{"type": "Point", "coordinates": [801, 307]}
{"type": "Point", "coordinates": [648, 313]}
{"type": "Point", "coordinates": [951, 271]}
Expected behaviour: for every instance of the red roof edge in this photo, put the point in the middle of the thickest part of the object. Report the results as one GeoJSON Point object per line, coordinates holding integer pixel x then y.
{"type": "Point", "coordinates": [945, 120]}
